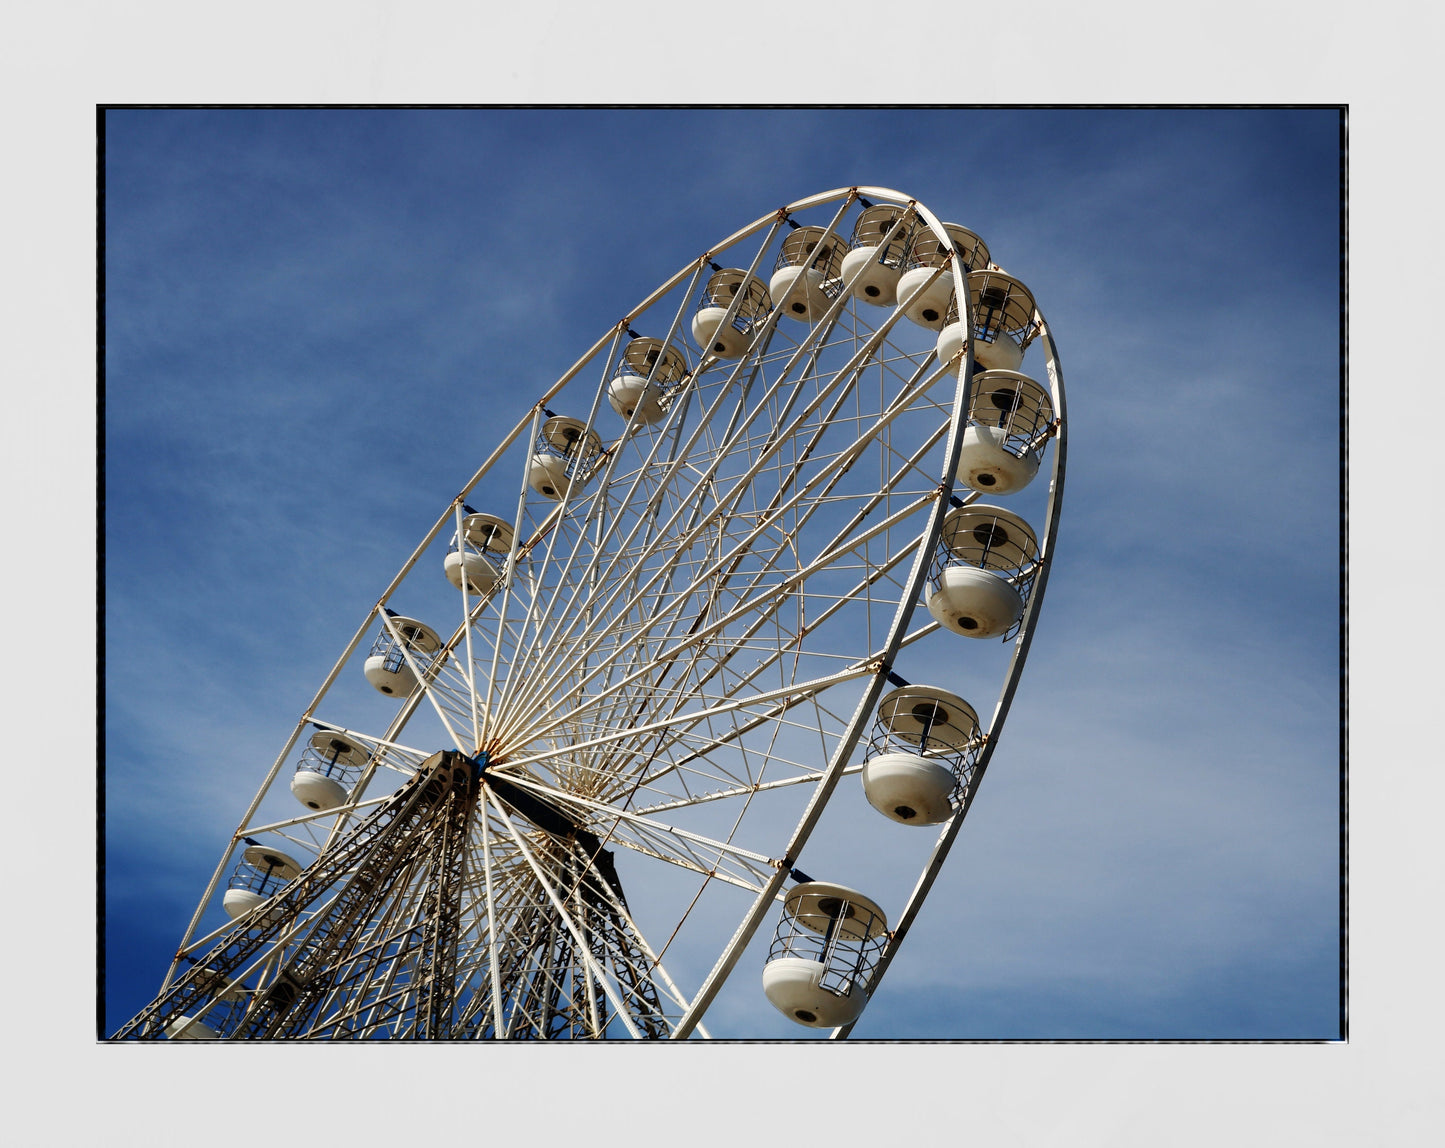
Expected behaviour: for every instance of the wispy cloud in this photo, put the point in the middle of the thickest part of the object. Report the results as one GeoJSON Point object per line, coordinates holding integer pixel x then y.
{"type": "Point", "coordinates": [318, 323]}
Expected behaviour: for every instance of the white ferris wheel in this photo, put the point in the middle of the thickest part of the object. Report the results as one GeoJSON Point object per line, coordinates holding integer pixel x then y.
{"type": "Point", "coordinates": [564, 779]}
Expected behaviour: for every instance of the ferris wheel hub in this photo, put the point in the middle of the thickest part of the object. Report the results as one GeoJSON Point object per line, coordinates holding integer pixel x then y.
{"type": "Point", "coordinates": [627, 640]}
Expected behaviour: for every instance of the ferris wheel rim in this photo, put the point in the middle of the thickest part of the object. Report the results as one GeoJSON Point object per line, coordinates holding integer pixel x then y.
{"type": "Point", "coordinates": [876, 668]}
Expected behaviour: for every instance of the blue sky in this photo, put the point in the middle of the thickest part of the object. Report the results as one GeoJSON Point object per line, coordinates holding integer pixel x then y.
{"type": "Point", "coordinates": [318, 321]}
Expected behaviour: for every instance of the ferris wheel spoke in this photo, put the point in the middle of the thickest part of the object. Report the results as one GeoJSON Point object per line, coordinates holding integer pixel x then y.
{"type": "Point", "coordinates": [583, 951]}
{"type": "Point", "coordinates": [644, 521]}
{"type": "Point", "coordinates": [421, 676]}
{"type": "Point", "coordinates": [772, 444]}
{"type": "Point", "coordinates": [468, 662]}
{"type": "Point", "coordinates": [726, 707]}
{"type": "Point", "coordinates": [664, 672]}
{"type": "Point", "coordinates": [688, 849]}
{"type": "Point", "coordinates": [763, 607]}
{"type": "Point", "coordinates": [860, 514]}
{"type": "Point", "coordinates": [511, 577]}
{"type": "Point", "coordinates": [685, 752]}
{"type": "Point", "coordinates": [493, 954]}
{"type": "Point", "coordinates": [743, 546]}
{"type": "Point", "coordinates": [810, 777]}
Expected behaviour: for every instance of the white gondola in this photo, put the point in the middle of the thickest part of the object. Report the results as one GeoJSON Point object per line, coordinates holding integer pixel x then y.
{"type": "Point", "coordinates": [805, 278]}
{"type": "Point", "coordinates": [925, 743]}
{"type": "Point", "coordinates": [985, 564]}
{"type": "Point", "coordinates": [871, 269]}
{"type": "Point", "coordinates": [649, 370]}
{"type": "Point", "coordinates": [565, 452]}
{"type": "Point", "coordinates": [329, 766]}
{"type": "Point", "coordinates": [650, 683]}
{"type": "Point", "coordinates": [262, 872]}
{"type": "Point", "coordinates": [386, 666]}
{"type": "Point", "coordinates": [924, 295]}
{"type": "Point", "coordinates": [729, 340]}
{"type": "Point", "coordinates": [1005, 322]}
{"type": "Point", "coordinates": [826, 946]}
{"type": "Point", "coordinates": [1009, 419]}
{"type": "Point", "coordinates": [485, 538]}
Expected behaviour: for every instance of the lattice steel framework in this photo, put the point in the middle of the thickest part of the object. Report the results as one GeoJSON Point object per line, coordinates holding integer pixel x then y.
{"type": "Point", "coordinates": [661, 692]}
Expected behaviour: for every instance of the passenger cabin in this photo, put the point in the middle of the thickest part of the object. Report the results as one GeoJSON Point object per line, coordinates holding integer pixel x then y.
{"type": "Point", "coordinates": [982, 571]}
{"type": "Point", "coordinates": [826, 946]}
{"type": "Point", "coordinates": [1010, 418]}
{"type": "Point", "coordinates": [260, 874]}
{"type": "Point", "coordinates": [926, 285]}
{"type": "Point", "coordinates": [925, 742]}
{"type": "Point", "coordinates": [389, 665]}
{"type": "Point", "coordinates": [564, 454]}
{"type": "Point", "coordinates": [484, 540]}
{"type": "Point", "coordinates": [1005, 321]}
{"type": "Point", "coordinates": [881, 239]}
{"type": "Point", "coordinates": [731, 308]}
{"type": "Point", "coordinates": [649, 372]}
{"type": "Point", "coordinates": [805, 277]}
{"type": "Point", "coordinates": [330, 766]}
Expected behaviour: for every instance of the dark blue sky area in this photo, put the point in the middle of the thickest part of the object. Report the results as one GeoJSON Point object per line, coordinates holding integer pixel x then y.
{"type": "Point", "coordinates": [318, 322]}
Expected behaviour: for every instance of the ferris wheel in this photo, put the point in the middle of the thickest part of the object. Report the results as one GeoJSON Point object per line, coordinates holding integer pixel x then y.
{"type": "Point", "coordinates": [593, 765]}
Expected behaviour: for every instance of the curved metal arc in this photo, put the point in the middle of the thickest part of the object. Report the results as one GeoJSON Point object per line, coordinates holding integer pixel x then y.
{"type": "Point", "coordinates": [863, 712]}
{"type": "Point", "coordinates": [1016, 664]}
{"type": "Point", "coordinates": [396, 581]}
{"type": "Point", "coordinates": [905, 607]}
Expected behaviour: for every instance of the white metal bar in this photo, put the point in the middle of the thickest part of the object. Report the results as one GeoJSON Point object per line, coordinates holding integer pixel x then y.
{"type": "Point", "coordinates": [1016, 663]}
{"type": "Point", "coordinates": [421, 678]}
{"type": "Point", "coordinates": [498, 1027]}
{"type": "Point", "coordinates": [844, 749]}
{"type": "Point", "coordinates": [566, 917]}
